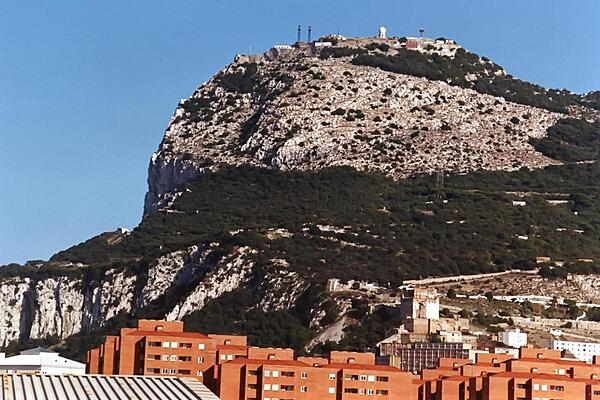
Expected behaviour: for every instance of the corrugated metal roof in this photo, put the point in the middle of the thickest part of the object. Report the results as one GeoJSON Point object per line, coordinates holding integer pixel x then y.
{"type": "Point", "coordinates": [101, 387]}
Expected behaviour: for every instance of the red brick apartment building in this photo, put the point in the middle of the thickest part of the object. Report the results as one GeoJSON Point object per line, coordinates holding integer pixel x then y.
{"type": "Point", "coordinates": [235, 371]}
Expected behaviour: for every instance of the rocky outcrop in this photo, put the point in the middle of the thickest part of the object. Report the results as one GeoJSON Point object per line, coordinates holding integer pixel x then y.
{"type": "Point", "coordinates": [63, 306]}
{"type": "Point", "coordinates": [308, 113]}
{"type": "Point", "coordinates": [232, 273]}
{"type": "Point", "coordinates": [13, 304]}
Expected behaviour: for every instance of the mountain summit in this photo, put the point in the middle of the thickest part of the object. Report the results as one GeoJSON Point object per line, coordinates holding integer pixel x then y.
{"type": "Point", "coordinates": [399, 106]}
{"type": "Point", "coordinates": [357, 159]}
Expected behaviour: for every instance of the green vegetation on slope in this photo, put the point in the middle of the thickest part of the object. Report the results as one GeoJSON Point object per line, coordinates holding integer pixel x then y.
{"type": "Point", "coordinates": [454, 71]}
{"type": "Point", "coordinates": [571, 140]}
{"type": "Point", "coordinates": [386, 231]}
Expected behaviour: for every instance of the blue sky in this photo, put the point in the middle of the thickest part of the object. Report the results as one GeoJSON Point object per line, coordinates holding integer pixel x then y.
{"type": "Point", "coordinates": [87, 88]}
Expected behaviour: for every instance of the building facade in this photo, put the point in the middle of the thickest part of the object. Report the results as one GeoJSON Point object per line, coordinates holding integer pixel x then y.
{"type": "Point", "coordinates": [423, 303]}
{"type": "Point", "coordinates": [513, 338]}
{"type": "Point", "coordinates": [416, 357]}
{"type": "Point", "coordinates": [583, 351]}
{"type": "Point", "coordinates": [163, 348]}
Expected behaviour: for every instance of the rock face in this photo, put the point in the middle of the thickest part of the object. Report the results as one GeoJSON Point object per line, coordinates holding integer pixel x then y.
{"type": "Point", "coordinates": [62, 307]}
{"type": "Point", "coordinates": [308, 113]}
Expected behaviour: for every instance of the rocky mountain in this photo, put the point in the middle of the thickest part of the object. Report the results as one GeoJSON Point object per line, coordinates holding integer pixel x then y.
{"type": "Point", "coordinates": [359, 159]}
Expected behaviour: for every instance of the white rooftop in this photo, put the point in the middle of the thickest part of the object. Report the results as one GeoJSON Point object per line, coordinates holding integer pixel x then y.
{"type": "Point", "coordinates": [40, 360]}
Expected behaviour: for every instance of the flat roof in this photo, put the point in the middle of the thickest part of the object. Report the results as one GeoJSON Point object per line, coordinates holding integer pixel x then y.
{"type": "Point", "coordinates": [101, 387]}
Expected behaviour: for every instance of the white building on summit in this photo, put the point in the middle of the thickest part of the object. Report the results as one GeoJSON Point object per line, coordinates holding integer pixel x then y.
{"type": "Point", "coordinates": [41, 361]}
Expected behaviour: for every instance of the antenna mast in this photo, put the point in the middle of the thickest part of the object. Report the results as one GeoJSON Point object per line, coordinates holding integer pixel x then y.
{"type": "Point", "coordinates": [309, 32]}
{"type": "Point", "coordinates": [299, 30]}
{"type": "Point", "coordinates": [421, 32]}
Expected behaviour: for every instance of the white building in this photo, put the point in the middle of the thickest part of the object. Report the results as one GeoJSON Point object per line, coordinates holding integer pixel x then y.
{"type": "Point", "coordinates": [41, 361]}
{"type": "Point", "coordinates": [450, 336]}
{"type": "Point", "coordinates": [583, 351]}
{"type": "Point", "coordinates": [513, 338]}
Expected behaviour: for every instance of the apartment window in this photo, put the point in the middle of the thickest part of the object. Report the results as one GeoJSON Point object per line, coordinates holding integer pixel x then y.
{"type": "Point", "coordinates": [229, 357]}
{"type": "Point", "coordinates": [165, 344]}
{"type": "Point", "coordinates": [222, 356]}
{"type": "Point", "coordinates": [596, 392]}
{"type": "Point", "coordinates": [371, 378]}
{"type": "Point", "coordinates": [361, 391]}
{"type": "Point", "coordinates": [173, 345]}
{"type": "Point", "coordinates": [185, 345]}
{"type": "Point", "coordinates": [275, 374]}
{"type": "Point", "coordinates": [185, 358]}
{"type": "Point", "coordinates": [287, 388]}
{"type": "Point", "coordinates": [370, 392]}
{"type": "Point", "coordinates": [289, 374]}
{"type": "Point", "coordinates": [267, 372]}
{"type": "Point", "coordinates": [536, 386]}
{"type": "Point", "coordinates": [184, 372]}
{"type": "Point", "coordinates": [351, 390]}
{"type": "Point", "coordinates": [153, 356]}
{"type": "Point", "coordinates": [172, 371]}
{"type": "Point", "coordinates": [332, 377]}
{"type": "Point", "coordinates": [154, 344]}
{"type": "Point", "coordinates": [331, 390]}
{"type": "Point", "coordinates": [201, 346]}
{"type": "Point", "coordinates": [164, 371]}
{"type": "Point", "coordinates": [200, 360]}
{"type": "Point", "coordinates": [381, 392]}
{"type": "Point", "coordinates": [303, 375]}
{"type": "Point", "coordinates": [544, 388]}
{"type": "Point", "coordinates": [153, 370]}
{"type": "Point", "coordinates": [362, 378]}
{"type": "Point", "coordinates": [173, 358]}
{"type": "Point", "coordinates": [521, 386]}
{"type": "Point", "coordinates": [253, 373]}
{"type": "Point", "coordinates": [275, 386]}
{"type": "Point", "coordinates": [199, 373]}
{"type": "Point", "coordinates": [557, 388]}
{"type": "Point", "coordinates": [267, 386]}
{"type": "Point", "coordinates": [382, 379]}
{"type": "Point", "coordinates": [303, 389]}
{"type": "Point", "coordinates": [165, 357]}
